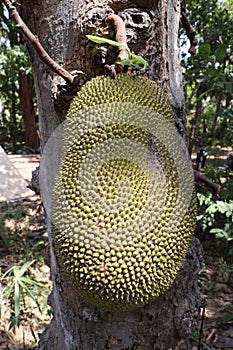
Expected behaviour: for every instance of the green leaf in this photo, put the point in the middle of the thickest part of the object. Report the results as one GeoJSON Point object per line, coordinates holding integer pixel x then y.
{"type": "Point", "coordinates": [215, 230]}
{"type": "Point", "coordinates": [204, 50]}
{"type": "Point", "coordinates": [32, 282]}
{"type": "Point", "coordinates": [20, 270]}
{"type": "Point", "coordinates": [8, 271]}
{"type": "Point", "coordinates": [99, 40]}
{"type": "Point", "coordinates": [17, 299]}
{"type": "Point", "coordinates": [139, 62]}
{"type": "Point", "coordinates": [223, 207]}
{"type": "Point", "coordinates": [220, 235]}
{"type": "Point", "coordinates": [220, 84]}
{"type": "Point", "coordinates": [15, 321]}
{"type": "Point", "coordinates": [29, 293]}
{"type": "Point", "coordinates": [136, 62]}
{"type": "Point", "coordinates": [220, 52]}
{"type": "Point", "coordinates": [212, 209]}
{"type": "Point", "coordinates": [125, 62]}
{"type": "Point", "coordinates": [199, 217]}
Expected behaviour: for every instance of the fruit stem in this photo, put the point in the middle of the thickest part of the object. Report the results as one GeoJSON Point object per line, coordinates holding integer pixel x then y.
{"type": "Point", "coordinates": [120, 36]}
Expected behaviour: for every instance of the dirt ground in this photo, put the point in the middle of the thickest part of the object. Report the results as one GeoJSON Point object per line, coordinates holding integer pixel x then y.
{"type": "Point", "coordinates": [23, 238]}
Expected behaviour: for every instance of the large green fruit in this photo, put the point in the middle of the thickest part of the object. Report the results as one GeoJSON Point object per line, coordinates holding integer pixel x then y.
{"type": "Point", "coordinates": [123, 204]}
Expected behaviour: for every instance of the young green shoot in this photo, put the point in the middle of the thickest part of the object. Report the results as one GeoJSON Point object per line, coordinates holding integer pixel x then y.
{"type": "Point", "coordinates": [133, 61]}
{"type": "Point", "coordinates": [18, 287]}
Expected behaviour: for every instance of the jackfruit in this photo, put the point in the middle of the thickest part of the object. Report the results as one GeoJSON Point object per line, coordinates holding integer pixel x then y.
{"type": "Point", "coordinates": [123, 210]}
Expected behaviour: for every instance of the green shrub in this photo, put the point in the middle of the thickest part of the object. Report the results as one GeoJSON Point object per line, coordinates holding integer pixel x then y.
{"type": "Point", "coordinates": [217, 217]}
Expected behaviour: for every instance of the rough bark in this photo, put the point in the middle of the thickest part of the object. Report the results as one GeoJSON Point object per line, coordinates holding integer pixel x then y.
{"type": "Point", "coordinates": [152, 29]}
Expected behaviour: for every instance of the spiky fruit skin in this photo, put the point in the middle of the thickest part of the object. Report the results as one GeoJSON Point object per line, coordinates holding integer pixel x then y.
{"type": "Point", "coordinates": [121, 250]}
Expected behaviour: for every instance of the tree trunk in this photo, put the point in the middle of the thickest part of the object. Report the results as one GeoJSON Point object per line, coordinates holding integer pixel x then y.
{"type": "Point", "coordinates": [29, 115]}
{"type": "Point", "coordinates": [13, 124]}
{"type": "Point", "coordinates": [215, 119]}
{"type": "Point", "coordinates": [152, 28]}
{"type": "Point", "coordinates": [196, 120]}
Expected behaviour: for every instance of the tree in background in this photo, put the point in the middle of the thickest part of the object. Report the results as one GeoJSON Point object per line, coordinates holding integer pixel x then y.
{"type": "Point", "coordinates": [16, 87]}
{"type": "Point", "coordinates": [208, 75]}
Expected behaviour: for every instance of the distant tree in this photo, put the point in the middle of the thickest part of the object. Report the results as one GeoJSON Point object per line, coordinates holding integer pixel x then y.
{"type": "Point", "coordinates": [208, 75]}
{"type": "Point", "coordinates": [16, 85]}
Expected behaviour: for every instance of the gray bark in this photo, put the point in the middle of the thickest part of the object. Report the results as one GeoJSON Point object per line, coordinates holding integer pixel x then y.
{"type": "Point", "coordinates": [152, 29]}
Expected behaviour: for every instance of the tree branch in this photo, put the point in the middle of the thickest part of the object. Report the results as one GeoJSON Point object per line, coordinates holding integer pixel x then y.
{"type": "Point", "coordinates": [190, 32]}
{"type": "Point", "coordinates": [120, 36]}
{"type": "Point", "coordinates": [33, 40]}
{"type": "Point", "coordinates": [215, 188]}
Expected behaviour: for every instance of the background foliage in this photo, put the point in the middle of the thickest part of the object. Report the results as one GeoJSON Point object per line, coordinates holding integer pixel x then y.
{"type": "Point", "coordinates": [14, 61]}
{"type": "Point", "coordinates": [209, 75]}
